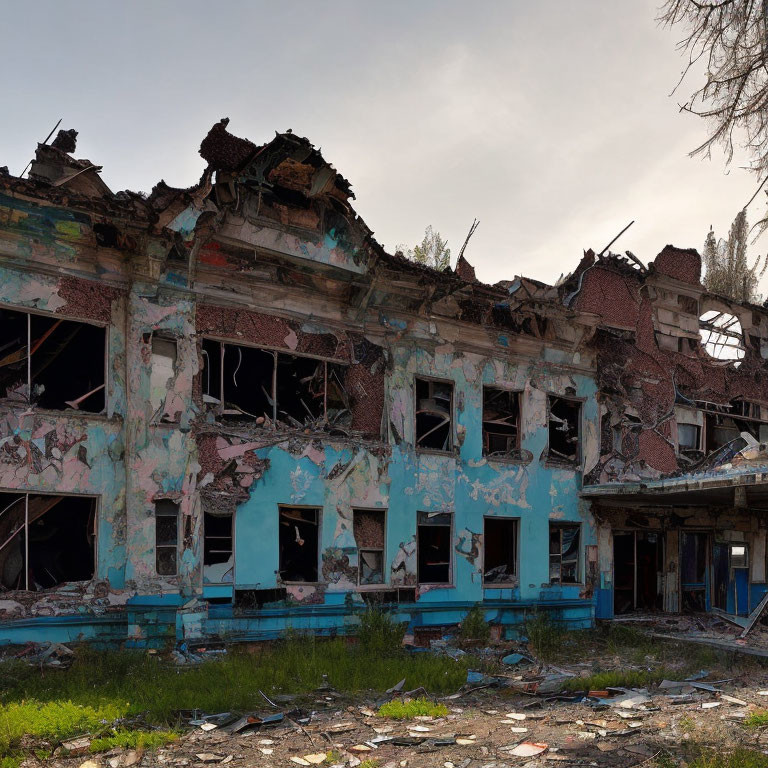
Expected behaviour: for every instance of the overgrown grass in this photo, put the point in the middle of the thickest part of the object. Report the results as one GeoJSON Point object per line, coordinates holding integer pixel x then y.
{"type": "Point", "coordinates": [741, 757]}
{"type": "Point", "coordinates": [618, 678]}
{"type": "Point", "coordinates": [133, 740]}
{"type": "Point", "coordinates": [474, 626]}
{"type": "Point", "coordinates": [407, 710]}
{"type": "Point", "coordinates": [379, 634]}
{"type": "Point", "coordinates": [544, 636]}
{"type": "Point", "coordinates": [103, 687]}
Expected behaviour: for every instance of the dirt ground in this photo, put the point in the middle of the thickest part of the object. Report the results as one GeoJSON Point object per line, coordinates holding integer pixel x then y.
{"type": "Point", "coordinates": [483, 728]}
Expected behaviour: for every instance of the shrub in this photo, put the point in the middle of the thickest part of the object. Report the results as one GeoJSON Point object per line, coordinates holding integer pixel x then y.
{"type": "Point", "coordinates": [379, 634]}
{"type": "Point", "coordinates": [474, 626]}
{"type": "Point", "coordinates": [544, 636]}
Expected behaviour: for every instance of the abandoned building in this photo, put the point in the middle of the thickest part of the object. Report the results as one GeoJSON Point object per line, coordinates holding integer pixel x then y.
{"type": "Point", "coordinates": [226, 410]}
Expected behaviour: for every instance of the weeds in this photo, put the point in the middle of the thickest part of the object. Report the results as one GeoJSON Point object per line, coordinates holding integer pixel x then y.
{"type": "Point", "coordinates": [133, 740]}
{"type": "Point", "coordinates": [544, 636]}
{"type": "Point", "coordinates": [102, 687]}
{"type": "Point", "coordinates": [474, 626]}
{"type": "Point", "coordinates": [379, 634]}
{"type": "Point", "coordinates": [741, 757]}
{"type": "Point", "coordinates": [334, 756]}
{"type": "Point", "coordinates": [757, 719]}
{"type": "Point", "coordinates": [617, 678]}
{"type": "Point", "coordinates": [407, 710]}
{"type": "Point", "coordinates": [369, 763]}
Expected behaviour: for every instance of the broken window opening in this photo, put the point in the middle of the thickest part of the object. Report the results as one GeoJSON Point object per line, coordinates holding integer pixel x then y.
{"type": "Point", "coordinates": [46, 540]}
{"type": "Point", "coordinates": [434, 415]}
{"type": "Point", "coordinates": [248, 381]}
{"type": "Point", "coordinates": [166, 537]}
{"type": "Point", "coordinates": [500, 550]}
{"type": "Point", "coordinates": [564, 553]}
{"type": "Point", "coordinates": [65, 366]}
{"type": "Point", "coordinates": [501, 423]}
{"type": "Point", "coordinates": [300, 389]}
{"type": "Point", "coordinates": [688, 437]}
{"type": "Point", "coordinates": [722, 336]}
{"type": "Point", "coordinates": [218, 549]}
{"type": "Point", "coordinates": [433, 544]}
{"type": "Point", "coordinates": [162, 371]}
{"type": "Point", "coordinates": [368, 527]}
{"type": "Point", "coordinates": [299, 544]}
{"type": "Point", "coordinates": [564, 430]}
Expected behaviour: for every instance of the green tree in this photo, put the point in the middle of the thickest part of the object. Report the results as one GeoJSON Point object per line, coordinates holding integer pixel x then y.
{"type": "Point", "coordinates": [432, 250]}
{"type": "Point", "coordinates": [726, 268]}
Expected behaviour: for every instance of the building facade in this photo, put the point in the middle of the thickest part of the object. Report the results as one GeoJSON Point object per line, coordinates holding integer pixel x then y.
{"type": "Point", "coordinates": [226, 411]}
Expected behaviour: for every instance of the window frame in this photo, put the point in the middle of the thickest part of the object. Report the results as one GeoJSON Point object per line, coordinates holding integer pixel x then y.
{"type": "Point", "coordinates": [95, 500]}
{"type": "Point", "coordinates": [234, 552]}
{"type": "Point", "coordinates": [516, 575]}
{"type": "Point", "coordinates": [175, 546]}
{"type": "Point", "coordinates": [699, 436]}
{"type": "Point", "coordinates": [555, 461]}
{"type": "Point", "coordinates": [275, 352]}
{"type": "Point", "coordinates": [451, 424]}
{"type": "Point", "coordinates": [450, 581]}
{"type": "Point", "coordinates": [384, 580]}
{"type": "Point", "coordinates": [70, 411]}
{"type": "Point", "coordinates": [560, 525]}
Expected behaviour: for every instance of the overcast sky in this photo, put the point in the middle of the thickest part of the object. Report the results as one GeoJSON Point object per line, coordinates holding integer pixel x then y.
{"type": "Point", "coordinates": [548, 120]}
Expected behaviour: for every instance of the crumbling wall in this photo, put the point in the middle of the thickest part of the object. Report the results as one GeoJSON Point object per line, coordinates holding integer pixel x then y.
{"type": "Point", "coordinates": [70, 452]}
{"type": "Point", "coordinates": [650, 358]}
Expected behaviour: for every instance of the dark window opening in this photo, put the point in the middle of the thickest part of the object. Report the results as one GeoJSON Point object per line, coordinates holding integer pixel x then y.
{"type": "Point", "coordinates": [301, 391]}
{"type": "Point", "coordinates": [299, 543]}
{"type": "Point", "coordinates": [247, 381]}
{"type": "Point", "coordinates": [564, 430]}
{"type": "Point", "coordinates": [60, 362]}
{"type": "Point", "coordinates": [163, 369]}
{"type": "Point", "coordinates": [434, 548]}
{"type": "Point", "coordinates": [434, 415]}
{"type": "Point", "coordinates": [46, 540]}
{"type": "Point", "coordinates": [499, 550]}
{"type": "Point", "coordinates": [166, 537]}
{"type": "Point", "coordinates": [379, 597]}
{"type": "Point", "coordinates": [368, 526]}
{"type": "Point", "coordinates": [255, 599]}
{"type": "Point", "coordinates": [218, 551]}
{"type": "Point", "coordinates": [107, 235]}
{"type": "Point", "coordinates": [501, 422]}
{"type": "Point", "coordinates": [564, 548]}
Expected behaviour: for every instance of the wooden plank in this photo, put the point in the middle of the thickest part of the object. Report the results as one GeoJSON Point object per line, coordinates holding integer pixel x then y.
{"type": "Point", "coordinates": [755, 615]}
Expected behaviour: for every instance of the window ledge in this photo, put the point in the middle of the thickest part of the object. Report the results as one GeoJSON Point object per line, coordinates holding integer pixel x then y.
{"type": "Point", "coordinates": [555, 464]}
{"type": "Point", "coordinates": [70, 412]}
{"type": "Point", "coordinates": [504, 460]}
{"type": "Point", "coordinates": [506, 585]}
{"type": "Point", "coordinates": [433, 452]}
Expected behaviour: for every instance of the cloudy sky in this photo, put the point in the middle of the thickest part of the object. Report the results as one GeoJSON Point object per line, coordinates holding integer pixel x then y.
{"type": "Point", "coordinates": [548, 120]}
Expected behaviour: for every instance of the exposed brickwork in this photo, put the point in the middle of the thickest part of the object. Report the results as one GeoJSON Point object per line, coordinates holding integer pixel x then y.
{"type": "Point", "coordinates": [87, 300]}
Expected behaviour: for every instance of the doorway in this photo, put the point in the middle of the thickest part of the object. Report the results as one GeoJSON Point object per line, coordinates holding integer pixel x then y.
{"type": "Point", "coordinates": [694, 582]}
{"type": "Point", "coordinates": [638, 567]}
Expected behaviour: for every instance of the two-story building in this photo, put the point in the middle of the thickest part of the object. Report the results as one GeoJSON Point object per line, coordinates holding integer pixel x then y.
{"type": "Point", "coordinates": [227, 410]}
